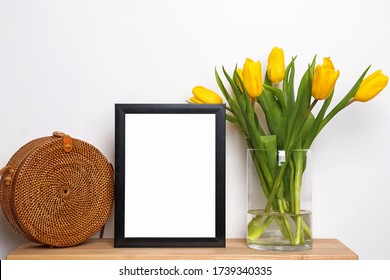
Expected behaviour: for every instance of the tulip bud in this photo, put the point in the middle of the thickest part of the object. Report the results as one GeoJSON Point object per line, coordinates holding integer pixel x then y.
{"type": "Point", "coordinates": [205, 96]}
{"type": "Point", "coordinates": [275, 70]}
{"type": "Point", "coordinates": [371, 86]}
{"type": "Point", "coordinates": [324, 80]}
{"type": "Point", "coordinates": [253, 81]}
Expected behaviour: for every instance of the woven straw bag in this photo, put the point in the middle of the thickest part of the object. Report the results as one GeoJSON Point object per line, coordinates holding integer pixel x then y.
{"type": "Point", "coordinates": [57, 191]}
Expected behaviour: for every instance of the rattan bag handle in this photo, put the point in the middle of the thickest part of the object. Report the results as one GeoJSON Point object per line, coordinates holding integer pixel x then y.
{"type": "Point", "coordinates": [68, 141]}
{"type": "Point", "coordinates": [4, 169]}
{"type": "Point", "coordinates": [7, 180]}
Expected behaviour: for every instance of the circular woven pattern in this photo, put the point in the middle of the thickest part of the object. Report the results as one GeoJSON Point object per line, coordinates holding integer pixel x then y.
{"type": "Point", "coordinates": [59, 199]}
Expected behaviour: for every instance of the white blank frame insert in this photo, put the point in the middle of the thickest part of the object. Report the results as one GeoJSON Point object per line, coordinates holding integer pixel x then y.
{"type": "Point", "coordinates": [170, 175]}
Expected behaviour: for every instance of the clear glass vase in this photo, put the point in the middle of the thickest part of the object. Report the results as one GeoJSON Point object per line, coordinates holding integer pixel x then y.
{"type": "Point", "coordinates": [279, 200]}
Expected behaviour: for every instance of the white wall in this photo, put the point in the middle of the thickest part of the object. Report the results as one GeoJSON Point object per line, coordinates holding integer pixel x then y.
{"type": "Point", "coordinates": [63, 65]}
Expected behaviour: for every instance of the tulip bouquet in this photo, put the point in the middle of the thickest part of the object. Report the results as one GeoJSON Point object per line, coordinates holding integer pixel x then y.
{"type": "Point", "coordinates": [290, 125]}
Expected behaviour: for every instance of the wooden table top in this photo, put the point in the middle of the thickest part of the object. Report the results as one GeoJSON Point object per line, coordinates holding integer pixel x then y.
{"type": "Point", "coordinates": [236, 249]}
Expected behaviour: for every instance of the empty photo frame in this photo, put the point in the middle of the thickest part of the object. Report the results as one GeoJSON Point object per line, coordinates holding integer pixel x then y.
{"type": "Point", "coordinates": [170, 175]}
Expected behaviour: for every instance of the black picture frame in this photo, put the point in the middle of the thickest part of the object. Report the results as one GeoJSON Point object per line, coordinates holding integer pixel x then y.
{"type": "Point", "coordinates": [202, 190]}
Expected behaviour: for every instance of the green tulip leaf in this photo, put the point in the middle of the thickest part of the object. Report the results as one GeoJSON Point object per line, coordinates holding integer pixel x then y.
{"type": "Point", "coordinates": [288, 85]}
{"type": "Point", "coordinates": [268, 153]}
{"type": "Point", "coordinates": [276, 123]}
{"type": "Point", "coordinates": [316, 125]}
{"type": "Point", "coordinates": [222, 87]}
{"type": "Point", "coordinates": [267, 81]}
{"type": "Point", "coordinates": [307, 127]}
{"type": "Point", "coordinates": [300, 110]}
{"type": "Point", "coordinates": [238, 95]}
{"type": "Point", "coordinates": [279, 95]}
{"type": "Point", "coordinates": [236, 91]}
{"type": "Point", "coordinates": [233, 105]}
{"type": "Point", "coordinates": [266, 99]}
{"type": "Point", "coordinates": [231, 119]}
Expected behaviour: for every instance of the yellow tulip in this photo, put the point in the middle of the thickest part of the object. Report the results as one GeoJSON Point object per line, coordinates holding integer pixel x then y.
{"type": "Point", "coordinates": [371, 86]}
{"type": "Point", "coordinates": [253, 81]}
{"type": "Point", "coordinates": [275, 69]}
{"type": "Point", "coordinates": [239, 72]}
{"type": "Point", "coordinates": [324, 80]}
{"type": "Point", "coordinates": [205, 96]}
{"type": "Point", "coordinates": [195, 100]}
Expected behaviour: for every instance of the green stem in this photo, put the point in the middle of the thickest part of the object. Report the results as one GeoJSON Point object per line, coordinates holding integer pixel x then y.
{"type": "Point", "coordinates": [298, 230]}
{"type": "Point", "coordinates": [255, 229]}
{"type": "Point", "coordinates": [297, 187]}
{"type": "Point", "coordinates": [264, 181]}
{"type": "Point", "coordinates": [288, 229]}
{"type": "Point", "coordinates": [312, 105]}
{"type": "Point", "coordinates": [307, 230]}
{"type": "Point", "coordinates": [298, 159]}
{"type": "Point", "coordinates": [296, 166]}
{"type": "Point", "coordinates": [277, 182]}
{"type": "Point", "coordinates": [285, 228]}
{"type": "Point", "coordinates": [291, 185]}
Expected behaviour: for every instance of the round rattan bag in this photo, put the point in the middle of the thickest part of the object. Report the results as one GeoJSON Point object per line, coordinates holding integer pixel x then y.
{"type": "Point", "coordinates": [57, 191]}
